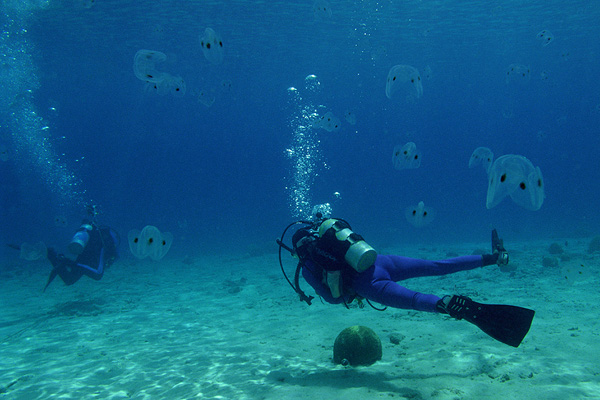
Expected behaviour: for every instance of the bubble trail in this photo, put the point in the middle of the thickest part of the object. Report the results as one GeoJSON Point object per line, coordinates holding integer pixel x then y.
{"type": "Point", "coordinates": [29, 131]}
{"type": "Point", "coordinates": [304, 151]}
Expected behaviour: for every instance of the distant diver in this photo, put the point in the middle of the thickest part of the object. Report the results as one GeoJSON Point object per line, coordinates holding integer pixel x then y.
{"type": "Point", "coordinates": [342, 267]}
{"type": "Point", "coordinates": [94, 247]}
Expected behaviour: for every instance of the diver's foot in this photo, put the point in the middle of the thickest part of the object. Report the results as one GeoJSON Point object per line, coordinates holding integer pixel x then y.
{"type": "Point", "coordinates": [498, 248]}
{"type": "Point", "coordinates": [442, 304]}
{"type": "Point", "coordinates": [502, 258]}
{"type": "Point", "coordinates": [456, 306]}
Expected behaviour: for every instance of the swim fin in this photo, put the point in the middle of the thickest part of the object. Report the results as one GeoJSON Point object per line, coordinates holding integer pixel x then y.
{"type": "Point", "coordinates": [507, 324]}
{"type": "Point", "coordinates": [54, 260]}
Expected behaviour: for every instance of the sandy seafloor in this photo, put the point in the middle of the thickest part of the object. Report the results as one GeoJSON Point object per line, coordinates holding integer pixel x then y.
{"type": "Point", "coordinates": [199, 328]}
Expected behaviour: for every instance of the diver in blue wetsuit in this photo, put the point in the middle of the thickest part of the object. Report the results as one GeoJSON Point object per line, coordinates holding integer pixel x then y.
{"type": "Point", "coordinates": [94, 247]}
{"type": "Point", "coordinates": [378, 282]}
{"type": "Point", "coordinates": [342, 267]}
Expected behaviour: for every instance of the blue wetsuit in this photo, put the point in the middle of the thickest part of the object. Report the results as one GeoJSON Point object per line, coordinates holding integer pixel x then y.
{"type": "Point", "coordinates": [378, 283]}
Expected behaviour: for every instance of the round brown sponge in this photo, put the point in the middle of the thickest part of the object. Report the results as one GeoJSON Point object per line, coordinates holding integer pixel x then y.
{"type": "Point", "coordinates": [357, 345]}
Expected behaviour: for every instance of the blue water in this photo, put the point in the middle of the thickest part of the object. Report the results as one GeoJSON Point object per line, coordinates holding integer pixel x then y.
{"type": "Point", "coordinates": [80, 128]}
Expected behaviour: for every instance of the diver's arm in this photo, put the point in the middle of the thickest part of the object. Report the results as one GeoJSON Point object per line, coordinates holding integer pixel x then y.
{"type": "Point", "coordinates": [313, 275]}
{"type": "Point", "coordinates": [95, 273]}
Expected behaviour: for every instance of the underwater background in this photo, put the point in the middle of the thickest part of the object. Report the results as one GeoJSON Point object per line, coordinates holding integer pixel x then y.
{"type": "Point", "coordinates": [221, 122]}
{"type": "Point", "coordinates": [219, 165]}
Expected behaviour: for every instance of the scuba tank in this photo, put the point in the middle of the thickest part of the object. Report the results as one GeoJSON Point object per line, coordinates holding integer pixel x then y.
{"type": "Point", "coordinates": [342, 242]}
{"type": "Point", "coordinates": [80, 238]}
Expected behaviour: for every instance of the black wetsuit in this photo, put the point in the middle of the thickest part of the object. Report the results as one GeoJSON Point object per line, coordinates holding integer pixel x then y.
{"type": "Point", "coordinates": [99, 254]}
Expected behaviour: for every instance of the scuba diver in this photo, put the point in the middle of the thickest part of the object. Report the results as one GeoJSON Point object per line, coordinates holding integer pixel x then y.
{"type": "Point", "coordinates": [92, 250]}
{"type": "Point", "coordinates": [342, 267]}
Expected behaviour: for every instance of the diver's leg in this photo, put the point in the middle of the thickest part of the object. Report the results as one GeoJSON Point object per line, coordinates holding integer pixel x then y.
{"type": "Point", "coordinates": [400, 268]}
{"type": "Point", "coordinates": [377, 285]}
{"type": "Point", "coordinates": [66, 269]}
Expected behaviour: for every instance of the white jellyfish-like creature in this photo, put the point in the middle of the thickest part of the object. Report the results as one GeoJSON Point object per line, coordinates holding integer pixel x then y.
{"type": "Point", "coordinates": [518, 73]}
{"type": "Point", "coordinates": [86, 3]}
{"type": "Point", "coordinates": [144, 65]}
{"type": "Point", "coordinates": [404, 78]}
{"type": "Point", "coordinates": [170, 84]}
{"type": "Point", "coordinates": [419, 215]}
{"type": "Point", "coordinates": [515, 176]}
{"type": "Point", "coordinates": [406, 157]}
{"type": "Point", "coordinates": [350, 117]}
{"type": "Point", "coordinates": [427, 72]}
{"type": "Point", "coordinates": [206, 98]}
{"type": "Point", "coordinates": [212, 46]}
{"type": "Point", "coordinates": [33, 251]}
{"type": "Point", "coordinates": [149, 242]}
{"type": "Point", "coordinates": [482, 156]}
{"type": "Point", "coordinates": [60, 221]}
{"type": "Point", "coordinates": [329, 122]}
{"type": "Point", "coordinates": [226, 85]}
{"type": "Point", "coordinates": [546, 37]}
{"type": "Point", "coordinates": [322, 10]}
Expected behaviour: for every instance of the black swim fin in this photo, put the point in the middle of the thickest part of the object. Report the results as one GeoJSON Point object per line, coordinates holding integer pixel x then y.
{"type": "Point", "coordinates": [507, 324]}
{"type": "Point", "coordinates": [54, 260]}
{"type": "Point", "coordinates": [51, 277]}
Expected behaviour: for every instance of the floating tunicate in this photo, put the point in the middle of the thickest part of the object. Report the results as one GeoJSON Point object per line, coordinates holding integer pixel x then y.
{"type": "Point", "coordinates": [546, 37]}
{"type": "Point", "coordinates": [427, 72]}
{"type": "Point", "coordinates": [419, 215]}
{"type": "Point", "coordinates": [518, 73]}
{"type": "Point", "coordinates": [87, 3]}
{"type": "Point", "coordinates": [226, 85]}
{"type": "Point", "coordinates": [406, 157]}
{"type": "Point", "coordinates": [404, 78]}
{"type": "Point", "coordinates": [515, 176]}
{"type": "Point", "coordinates": [212, 46]}
{"type": "Point", "coordinates": [321, 10]}
{"type": "Point", "coordinates": [483, 156]}
{"type": "Point", "coordinates": [149, 242]}
{"type": "Point", "coordinates": [60, 221]}
{"type": "Point", "coordinates": [206, 98]}
{"type": "Point", "coordinates": [174, 85]}
{"type": "Point", "coordinates": [144, 65]}
{"type": "Point", "coordinates": [329, 122]}
{"type": "Point", "coordinates": [350, 117]}
{"type": "Point", "coordinates": [33, 251]}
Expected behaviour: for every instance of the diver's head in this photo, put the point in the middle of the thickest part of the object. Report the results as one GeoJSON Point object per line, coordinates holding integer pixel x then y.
{"type": "Point", "coordinates": [92, 211]}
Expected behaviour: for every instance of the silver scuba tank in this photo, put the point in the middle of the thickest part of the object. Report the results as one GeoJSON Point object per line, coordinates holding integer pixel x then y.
{"type": "Point", "coordinates": [358, 253]}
